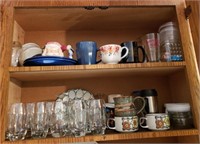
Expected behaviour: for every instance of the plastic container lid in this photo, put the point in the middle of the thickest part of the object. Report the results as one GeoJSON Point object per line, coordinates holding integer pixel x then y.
{"type": "Point", "coordinates": [177, 107]}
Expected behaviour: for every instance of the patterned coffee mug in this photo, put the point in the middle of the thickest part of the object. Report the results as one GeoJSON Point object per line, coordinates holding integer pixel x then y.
{"type": "Point", "coordinates": [124, 124]}
{"type": "Point", "coordinates": [156, 121]}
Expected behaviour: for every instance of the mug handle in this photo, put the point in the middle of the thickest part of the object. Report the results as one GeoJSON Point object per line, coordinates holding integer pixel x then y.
{"type": "Point", "coordinates": [144, 103]}
{"type": "Point", "coordinates": [143, 54]}
{"type": "Point", "coordinates": [100, 59]}
{"type": "Point", "coordinates": [142, 119]}
{"type": "Point", "coordinates": [125, 53]}
{"type": "Point", "coordinates": [107, 123]}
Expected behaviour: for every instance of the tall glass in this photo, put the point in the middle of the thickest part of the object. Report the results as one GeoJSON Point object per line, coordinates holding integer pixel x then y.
{"type": "Point", "coordinates": [30, 112]}
{"type": "Point", "coordinates": [97, 115]}
{"type": "Point", "coordinates": [59, 120]}
{"type": "Point", "coordinates": [16, 129]}
{"type": "Point", "coordinates": [40, 126]}
{"type": "Point", "coordinates": [77, 117]}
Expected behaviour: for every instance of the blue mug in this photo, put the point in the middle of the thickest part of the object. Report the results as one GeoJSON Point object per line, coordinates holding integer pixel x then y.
{"type": "Point", "coordinates": [86, 52]}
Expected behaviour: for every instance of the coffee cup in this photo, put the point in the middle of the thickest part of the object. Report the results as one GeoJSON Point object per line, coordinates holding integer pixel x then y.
{"type": "Point", "coordinates": [112, 53]}
{"type": "Point", "coordinates": [86, 52]}
{"type": "Point", "coordinates": [124, 124]}
{"type": "Point", "coordinates": [134, 55]}
{"type": "Point", "coordinates": [156, 121]}
{"type": "Point", "coordinates": [127, 105]}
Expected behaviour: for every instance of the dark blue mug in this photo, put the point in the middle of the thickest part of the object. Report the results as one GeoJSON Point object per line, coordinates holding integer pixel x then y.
{"type": "Point", "coordinates": [86, 52]}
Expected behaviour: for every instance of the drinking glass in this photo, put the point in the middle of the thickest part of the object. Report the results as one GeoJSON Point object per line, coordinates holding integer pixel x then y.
{"type": "Point", "coordinates": [59, 120]}
{"type": "Point", "coordinates": [77, 117]}
{"type": "Point", "coordinates": [97, 115]}
{"type": "Point", "coordinates": [30, 111]}
{"type": "Point", "coordinates": [40, 126]}
{"type": "Point", "coordinates": [16, 122]}
{"type": "Point", "coordinates": [151, 43]}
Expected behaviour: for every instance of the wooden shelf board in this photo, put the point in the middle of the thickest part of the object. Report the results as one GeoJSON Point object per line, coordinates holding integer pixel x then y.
{"type": "Point", "coordinates": [78, 18]}
{"type": "Point", "coordinates": [100, 70]}
{"type": "Point", "coordinates": [114, 136]}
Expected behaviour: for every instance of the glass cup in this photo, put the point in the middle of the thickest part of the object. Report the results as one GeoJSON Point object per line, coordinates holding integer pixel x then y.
{"type": "Point", "coordinates": [77, 117]}
{"type": "Point", "coordinates": [151, 43]}
{"type": "Point", "coordinates": [97, 114]}
{"type": "Point", "coordinates": [59, 120]}
{"type": "Point", "coordinates": [16, 129]}
{"type": "Point", "coordinates": [30, 111]}
{"type": "Point", "coordinates": [40, 126]}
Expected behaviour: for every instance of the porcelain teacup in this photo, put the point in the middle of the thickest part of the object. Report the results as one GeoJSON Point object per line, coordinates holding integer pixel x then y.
{"type": "Point", "coordinates": [112, 53]}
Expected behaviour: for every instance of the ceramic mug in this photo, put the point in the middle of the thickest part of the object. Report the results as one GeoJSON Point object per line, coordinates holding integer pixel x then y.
{"type": "Point", "coordinates": [111, 53]}
{"type": "Point", "coordinates": [133, 55]}
{"type": "Point", "coordinates": [124, 124]}
{"type": "Point", "coordinates": [112, 96]}
{"type": "Point", "coordinates": [86, 52]}
{"type": "Point", "coordinates": [156, 121]}
{"type": "Point", "coordinates": [128, 105]}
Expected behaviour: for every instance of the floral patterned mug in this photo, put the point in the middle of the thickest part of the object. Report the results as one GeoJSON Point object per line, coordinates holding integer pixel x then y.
{"type": "Point", "coordinates": [156, 121]}
{"type": "Point", "coordinates": [112, 53]}
{"type": "Point", "coordinates": [124, 124]}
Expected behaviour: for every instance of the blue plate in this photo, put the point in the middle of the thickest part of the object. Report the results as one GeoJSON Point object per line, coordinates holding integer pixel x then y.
{"type": "Point", "coordinates": [49, 61]}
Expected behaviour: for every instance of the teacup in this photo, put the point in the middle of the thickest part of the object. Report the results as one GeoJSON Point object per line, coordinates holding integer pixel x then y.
{"type": "Point", "coordinates": [112, 53]}
{"type": "Point", "coordinates": [156, 121]}
{"type": "Point", "coordinates": [124, 124]}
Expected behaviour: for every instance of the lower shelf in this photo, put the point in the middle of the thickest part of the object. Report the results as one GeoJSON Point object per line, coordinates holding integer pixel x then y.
{"type": "Point", "coordinates": [111, 135]}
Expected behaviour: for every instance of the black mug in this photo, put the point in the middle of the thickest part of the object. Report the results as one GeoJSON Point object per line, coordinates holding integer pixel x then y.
{"type": "Point", "coordinates": [133, 55]}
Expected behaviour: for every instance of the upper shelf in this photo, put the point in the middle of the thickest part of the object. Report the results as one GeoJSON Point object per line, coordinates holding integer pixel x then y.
{"type": "Point", "coordinates": [99, 70]}
{"type": "Point", "coordinates": [79, 18]}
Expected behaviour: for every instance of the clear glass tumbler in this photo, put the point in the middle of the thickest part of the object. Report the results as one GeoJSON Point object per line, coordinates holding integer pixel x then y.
{"type": "Point", "coordinates": [59, 120]}
{"type": "Point", "coordinates": [40, 126]}
{"type": "Point", "coordinates": [97, 114]}
{"type": "Point", "coordinates": [16, 129]}
{"type": "Point", "coordinates": [77, 118]}
{"type": "Point", "coordinates": [151, 43]}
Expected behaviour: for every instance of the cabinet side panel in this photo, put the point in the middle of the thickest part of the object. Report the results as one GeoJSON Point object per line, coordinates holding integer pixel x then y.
{"type": "Point", "coordinates": [6, 17]}
{"type": "Point", "coordinates": [194, 19]}
{"type": "Point", "coordinates": [18, 33]}
{"type": "Point", "coordinates": [190, 60]}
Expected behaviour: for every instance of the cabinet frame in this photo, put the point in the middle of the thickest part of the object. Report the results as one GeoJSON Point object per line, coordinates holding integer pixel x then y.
{"type": "Point", "coordinates": [191, 67]}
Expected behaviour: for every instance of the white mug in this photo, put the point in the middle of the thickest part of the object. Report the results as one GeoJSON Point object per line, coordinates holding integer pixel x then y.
{"type": "Point", "coordinates": [124, 124]}
{"type": "Point", "coordinates": [111, 53]}
{"type": "Point", "coordinates": [156, 121]}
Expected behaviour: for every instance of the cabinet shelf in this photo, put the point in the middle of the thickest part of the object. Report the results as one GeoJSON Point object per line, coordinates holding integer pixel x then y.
{"type": "Point", "coordinates": [100, 70]}
{"type": "Point", "coordinates": [115, 136]}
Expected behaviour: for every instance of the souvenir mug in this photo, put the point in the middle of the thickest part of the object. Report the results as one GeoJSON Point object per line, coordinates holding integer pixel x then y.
{"type": "Point", "coordinates": [53, 49]}
{"type": "Point", "coordinates": [111, 53]}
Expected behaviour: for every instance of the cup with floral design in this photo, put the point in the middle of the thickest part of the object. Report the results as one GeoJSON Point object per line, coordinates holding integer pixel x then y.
{"type": "Point", "coordinates": [112, 53]}
{"type": "Point", "coordinates": [124, 124]}
{"type": "Point", "coordinates": [156, 121]}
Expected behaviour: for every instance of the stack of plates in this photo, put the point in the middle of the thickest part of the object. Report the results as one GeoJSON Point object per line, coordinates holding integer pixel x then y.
{"type": "Point", "coordinates": [49, 61]}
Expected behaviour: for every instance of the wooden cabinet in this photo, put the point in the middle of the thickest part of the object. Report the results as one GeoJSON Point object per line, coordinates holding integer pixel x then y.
{"type": "Point", "coordinates": [110, 21]}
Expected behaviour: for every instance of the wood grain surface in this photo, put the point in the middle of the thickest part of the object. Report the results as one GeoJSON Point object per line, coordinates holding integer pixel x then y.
{"type": "Point", "coordinates": [25, 83]}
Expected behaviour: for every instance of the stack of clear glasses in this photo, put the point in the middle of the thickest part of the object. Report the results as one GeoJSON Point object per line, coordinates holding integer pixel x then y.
{"type": "Point", "coordinates": [56, 119]}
